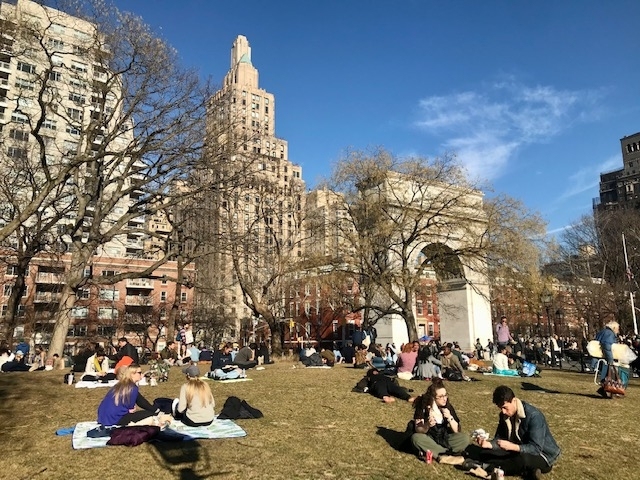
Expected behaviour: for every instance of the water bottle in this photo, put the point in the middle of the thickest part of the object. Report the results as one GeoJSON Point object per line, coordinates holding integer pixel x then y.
{"type": "Point", "coordinates": [70, 378]}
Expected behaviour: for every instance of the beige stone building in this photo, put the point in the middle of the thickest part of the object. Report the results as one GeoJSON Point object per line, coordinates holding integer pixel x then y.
{"type": "Point", "coordinates": [254, 215]}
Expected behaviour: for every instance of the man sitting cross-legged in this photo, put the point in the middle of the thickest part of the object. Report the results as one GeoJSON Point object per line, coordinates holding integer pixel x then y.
{"type": "Point", "coordinates": [523, 444]}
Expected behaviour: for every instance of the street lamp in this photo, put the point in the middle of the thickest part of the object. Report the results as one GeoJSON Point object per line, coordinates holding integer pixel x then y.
{"type": "Point", "coordinates": [547, 298]}
{"type": "Point", "coordinates": [560, 320]}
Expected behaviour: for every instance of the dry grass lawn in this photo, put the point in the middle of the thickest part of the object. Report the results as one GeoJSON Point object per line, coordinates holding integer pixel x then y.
{"type": "Point", "coordinates": [314, 427]}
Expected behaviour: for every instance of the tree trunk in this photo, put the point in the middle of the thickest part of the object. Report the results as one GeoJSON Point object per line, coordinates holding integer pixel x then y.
{"type": "Point", "coordinates": [410, 321]}
{"type": "Point", "coordinates": [17, 291]}
{"type": "Point", "coordinates": [79, 260]}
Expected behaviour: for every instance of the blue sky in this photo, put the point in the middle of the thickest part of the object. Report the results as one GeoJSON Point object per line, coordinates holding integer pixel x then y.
{"type": "Point", "coordinates": [533, 97]}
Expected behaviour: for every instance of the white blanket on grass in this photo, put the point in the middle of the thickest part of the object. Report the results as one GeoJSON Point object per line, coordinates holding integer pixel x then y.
{"type": "Point", "coordinates": [228, 380]}
{"type": "Point", "coordinates": [85, 384]}
{"type": "Point", "coordinates": [218, 429]}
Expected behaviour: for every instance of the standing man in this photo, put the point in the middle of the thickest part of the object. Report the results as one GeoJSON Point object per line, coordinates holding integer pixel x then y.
{"type": "Point", "coordinates": [503, 336]}
{"type": "Point", "coordinates": [523, 444]}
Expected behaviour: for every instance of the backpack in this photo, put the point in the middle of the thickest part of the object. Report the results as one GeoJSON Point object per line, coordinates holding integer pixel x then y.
{"type": "Point", "coordinates": [529, 369]}
{"type": "Point", "coordinates": [234, 408]}
{"type": "Point", "coordinates": [453, 375]}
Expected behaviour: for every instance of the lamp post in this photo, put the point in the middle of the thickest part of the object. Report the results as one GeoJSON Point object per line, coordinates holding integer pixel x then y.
{"type": "Point", "coordinates": [560, 321]}
{"type": "Point", "coordinates": [547, 299]}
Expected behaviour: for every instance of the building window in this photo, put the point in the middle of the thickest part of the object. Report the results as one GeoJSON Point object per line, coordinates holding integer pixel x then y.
{"type": "Point", "coordinates": [430, 329]}
{"type": "Point", "coordinates": [80, 312]}
{"type": "Point", "coordinates": [109, 294]}
{"type": "Point", "coordinates": [163, 296]}
{"type": "Point", "coordinates": [429, 307]}
{"type": "Point", "coordinates": [77, 331]}
{"type": "Point", "coordinates": [183, 297]}
{"type": "Point", "coordinates": [19, 135]}
{"type": "Point", "coordinates": [107, 313]}
{"type": "Point", "coordinates": [15, 152]}
{"type": "Point", "coordinates": [83, 294]}
{"type": "Point", "coordinates": [419, 308]}
{"type": "Point", "coordinates": [25, 84]}
{"type": "Point", "coordinates": [26, 67]}
{"type": "Point", "coordinates": [74, 114]}
{"type": "Point", "coordinates": [105, 331]}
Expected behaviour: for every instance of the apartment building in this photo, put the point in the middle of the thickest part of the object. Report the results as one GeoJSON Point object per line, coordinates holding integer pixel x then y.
{"type": "Point", "coordinates": [60, 105]}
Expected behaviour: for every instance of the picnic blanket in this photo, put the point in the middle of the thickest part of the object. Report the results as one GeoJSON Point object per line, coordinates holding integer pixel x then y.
{"type": "Point", "coordinates": [499, 375]}
{"type": "Point", "coordinates": [218, 429]}
{"type": "Point", "coordinates": [318, 366]}
{"type": "Point", "coordinates": [230, 380]}
{"type": "Point", "coordinates": [85, 384]}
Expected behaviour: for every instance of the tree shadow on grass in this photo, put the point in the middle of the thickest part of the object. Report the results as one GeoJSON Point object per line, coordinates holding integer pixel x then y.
{"type": "Point", "coordinates": [537, 388]}
{"type": "Point", "coordinates": [397, 440]}
{"type": "Point", "coordinates": [185, 459]}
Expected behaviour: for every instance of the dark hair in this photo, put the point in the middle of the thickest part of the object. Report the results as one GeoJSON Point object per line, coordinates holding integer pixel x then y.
{"type": "Point", "coordinates": [425, 400]}
{"type": "Point", "coordinates": [503, 317]}
{"type": "Point", "coordinates": [122, 339]}
{"type": "Point", "coordinates": [170, 342]}
{"type": "Point", "coordinates": [502, 395]}
{"type": "Point", "coordinates": [100, 352]}
{"type": "Point", "coordinates": [228, 345]}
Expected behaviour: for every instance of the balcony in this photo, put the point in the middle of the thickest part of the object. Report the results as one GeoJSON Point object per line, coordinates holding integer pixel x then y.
{"type": "Point", "coordinates": [47, 297]}
{"type": "Point", "coordinates": [134, 244]}
{"type": "Point", "coordinates": [139, 300]}
{"type": "Point", "coordinates": [139, 283]}
{"type": "Point", "coordinates": [49, 277]}
{"type": "Point", "coordinates": [5, 66]}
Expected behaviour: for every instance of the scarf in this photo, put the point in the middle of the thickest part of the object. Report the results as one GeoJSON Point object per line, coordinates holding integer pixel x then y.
{"type": "Point", "coordinates": [97, 364]}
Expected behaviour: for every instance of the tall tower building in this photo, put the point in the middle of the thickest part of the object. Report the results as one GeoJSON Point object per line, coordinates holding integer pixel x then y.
{"type": "Point", "coordinates": [253, 221]}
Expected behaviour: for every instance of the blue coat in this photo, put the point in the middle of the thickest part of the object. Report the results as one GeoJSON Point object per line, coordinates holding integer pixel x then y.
{"type": "Point", "coordinates": [607, 338]}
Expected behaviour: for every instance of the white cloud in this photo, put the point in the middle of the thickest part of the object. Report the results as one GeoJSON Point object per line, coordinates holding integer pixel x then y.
{"type": "Point", "coordinates": [588, 177]}
{"type": "Point", "coordinates": [485, 128]}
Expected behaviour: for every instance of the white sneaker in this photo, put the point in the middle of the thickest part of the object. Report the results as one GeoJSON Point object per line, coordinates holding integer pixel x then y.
{"type": "Point", "coordinates": [174, 406]}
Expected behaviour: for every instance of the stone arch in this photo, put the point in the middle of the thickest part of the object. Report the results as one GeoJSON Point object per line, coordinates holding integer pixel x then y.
{"type": "Point", "coordinates": [462, 293]}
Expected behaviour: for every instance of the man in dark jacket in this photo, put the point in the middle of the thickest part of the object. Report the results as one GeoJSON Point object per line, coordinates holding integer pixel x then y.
{"type": "Point", "coordinates": [126, 349]}
{"type": "Point", "coordinates": [523, 444]}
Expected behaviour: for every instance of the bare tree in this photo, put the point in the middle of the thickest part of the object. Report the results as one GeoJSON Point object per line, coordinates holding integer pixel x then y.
{"type": "Point", "coordinates": [134, 120]}
{"type": "Point", "coordinates": [410, 216]}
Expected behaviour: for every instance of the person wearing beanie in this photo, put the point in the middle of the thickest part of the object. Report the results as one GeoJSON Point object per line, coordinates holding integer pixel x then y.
{"type": "Point", "coordinates": [195, 405]}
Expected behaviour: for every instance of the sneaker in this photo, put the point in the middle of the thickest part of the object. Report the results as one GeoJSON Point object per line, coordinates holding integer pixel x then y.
{"type": "Point", "coordinates": [174, 406]}
{"type": "Point", "coordinates": [535, 474]}
{"type": "Point", "coordinates": [468, 464]}
{"type": "Point", "coordinates": [602, 393]}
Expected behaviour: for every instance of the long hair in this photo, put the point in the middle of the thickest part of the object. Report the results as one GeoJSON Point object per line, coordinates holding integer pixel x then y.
{"type": "Point", "coordinates": [123, 389]}
{"type": "Point", "coordinates": [196, 387]}
{"type": "Point", "coordinates": [424, 401]}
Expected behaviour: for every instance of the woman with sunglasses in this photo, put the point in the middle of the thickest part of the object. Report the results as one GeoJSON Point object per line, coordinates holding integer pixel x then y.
{"type": "Point", "coordinates": [118, 407]}
{"type": "Point", "coordinates": [437, 426]}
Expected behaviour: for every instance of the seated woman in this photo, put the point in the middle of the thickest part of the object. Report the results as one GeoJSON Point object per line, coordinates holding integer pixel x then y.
{"type": "Point", "coordinates": [221, 364]}
{"type": "Point", "coordinates": [119, 405]}
{"type": "Point", "coordinates": [97, 368]}
{"type": "Point", "coordinates": [385, 388]}
{"type": "Point", "coordinates": [195, 405]}
{"type": "Point", "coordinates": [362, 357]}
{"type": "Point", "coordinates": [437, 426]}
{"type": "Point", "coordinates": [501, 363]}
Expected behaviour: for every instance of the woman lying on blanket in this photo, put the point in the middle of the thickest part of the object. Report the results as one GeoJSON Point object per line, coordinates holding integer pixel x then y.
{"type": "Point", "coordinates": [118, 407]}
{"type": "Point", "coordinates": [195, 405]}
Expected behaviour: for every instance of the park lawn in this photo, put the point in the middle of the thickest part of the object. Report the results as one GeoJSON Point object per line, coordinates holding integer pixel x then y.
{"type": "Point", "coordinates": [313, 427]}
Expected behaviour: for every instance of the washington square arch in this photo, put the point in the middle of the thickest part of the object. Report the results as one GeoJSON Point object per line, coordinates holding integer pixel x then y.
{"type": "Point", "coordinates": [444, 234]}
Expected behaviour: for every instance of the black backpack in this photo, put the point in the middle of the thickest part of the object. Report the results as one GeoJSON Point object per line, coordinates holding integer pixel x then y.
{"type": "Point", "coordinates": [234, 409]}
